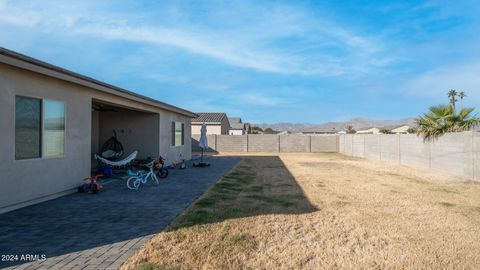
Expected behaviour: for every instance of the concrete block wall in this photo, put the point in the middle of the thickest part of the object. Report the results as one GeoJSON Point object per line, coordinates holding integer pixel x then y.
{"type": "Point", "coordinates": [390, 148]}
{"type": "Point", "coordinates": [322, 144]}
{"type": "Point", "coordinates": [231, 143]}
{"type": "Point", "coordinates": [269, 143]}
{"type": "Point", "coordinates": [294, 143]}
{"type": "Point", "coordinates": [476, 155]}
{"type": "Point", "coordinates": [372, 147]}
{"type": "Point", "coordinates": [263, 143]}
{"type": "Point", "coordinates": [414, 152]}
{"type": "Point", "coordinates": [454, 153]}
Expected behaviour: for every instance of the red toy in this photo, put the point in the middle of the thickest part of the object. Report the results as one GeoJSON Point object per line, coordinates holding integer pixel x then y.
{"type": "Point", "coordinates": [90, 185]}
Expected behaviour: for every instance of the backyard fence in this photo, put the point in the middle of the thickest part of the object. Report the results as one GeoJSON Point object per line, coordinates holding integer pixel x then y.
{"type": "Point", "coordinates": [455, 153]}
{"type": "Point", "coordinates": [269, 143]}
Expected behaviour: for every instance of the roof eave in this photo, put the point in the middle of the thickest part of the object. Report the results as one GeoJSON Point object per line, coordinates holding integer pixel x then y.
{"type": "Point", "coordinates": [21, 61]}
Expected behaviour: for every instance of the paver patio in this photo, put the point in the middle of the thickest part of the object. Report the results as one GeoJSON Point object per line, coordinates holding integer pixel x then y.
{"type": "Point", "coordinates": [84, 231]}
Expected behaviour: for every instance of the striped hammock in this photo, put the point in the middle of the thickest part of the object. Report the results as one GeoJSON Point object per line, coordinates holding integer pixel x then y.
{"type": "Point", "coordinates": [118, 163]}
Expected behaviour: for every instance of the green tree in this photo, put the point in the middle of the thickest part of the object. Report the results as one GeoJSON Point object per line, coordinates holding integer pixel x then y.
{"type": "Point", "coordinates": [412, 130]}
{"type": "Point", "coordinates": [443, 118]}
{"type": "Point", "coordinates": [270, 131]}
{"type": "Point", "coordinates": [385, 131]}
{"type": "Point", "coordinates": [350, 130]}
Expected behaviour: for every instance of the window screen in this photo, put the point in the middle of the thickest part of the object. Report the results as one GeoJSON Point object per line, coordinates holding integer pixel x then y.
{"type": "Point", "coordinates": [177, 133]}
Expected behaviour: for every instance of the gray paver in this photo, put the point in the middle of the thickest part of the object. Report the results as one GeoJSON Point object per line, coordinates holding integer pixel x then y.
{"type": "Point", "coordinates": [101, 231]}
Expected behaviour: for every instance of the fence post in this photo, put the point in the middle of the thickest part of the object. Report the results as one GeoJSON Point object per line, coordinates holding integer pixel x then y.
{"type": "Point", "coordinates": [310, 143]}
{"type": "Point", "coordinates": [278, 136]}
{"type": "Point", "coordinates": [399, 149]}
{"type": "Point", "coordinates": [380, 146]}
{"type": "Point", "coordinates": [473, 154]}
{"type": "Point", "coordinates": [247, 141]}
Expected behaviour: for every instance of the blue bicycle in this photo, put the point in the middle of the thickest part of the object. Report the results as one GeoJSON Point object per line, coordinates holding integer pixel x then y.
{"type": "Point", "coordinates": [142, 177]}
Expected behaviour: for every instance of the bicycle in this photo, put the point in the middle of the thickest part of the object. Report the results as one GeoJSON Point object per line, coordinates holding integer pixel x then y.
{"type": "Point", "coordinates": [142, 176]}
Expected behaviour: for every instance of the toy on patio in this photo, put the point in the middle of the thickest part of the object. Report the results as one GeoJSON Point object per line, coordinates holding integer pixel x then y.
{"type": "Point", "coordinates": [162, 170]}
{"type": "Point", "coordinates": [90, 185]}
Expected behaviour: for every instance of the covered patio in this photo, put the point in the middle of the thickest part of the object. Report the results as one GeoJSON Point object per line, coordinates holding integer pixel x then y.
{"type": "Point", "coordinates": [86, 231]}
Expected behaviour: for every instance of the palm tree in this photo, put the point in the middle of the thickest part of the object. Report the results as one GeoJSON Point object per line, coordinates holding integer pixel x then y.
{"type": "Point", "coordinates": [462, 95]}
{"type": "Point", "coordinates": [452, 95]}
{"type": "Point", "coordinates": [442, 119]}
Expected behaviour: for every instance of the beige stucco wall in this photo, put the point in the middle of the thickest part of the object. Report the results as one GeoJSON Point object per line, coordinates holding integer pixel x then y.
{"type": "Point", "coordinates": [26, 182]}
{"type": "Point", "coordinates": [211, 129]}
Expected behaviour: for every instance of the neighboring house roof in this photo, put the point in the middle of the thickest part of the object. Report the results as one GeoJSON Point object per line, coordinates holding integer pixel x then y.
{"type": "Point", "coordinates": [368, 128]}
{"type": "Point", "coordinates": [320, 130]}
{"type": "Point", "coordinates": [26, 62]}
{"type": "Point", "coordinates": [394, 127]}
{"type": "Point", "coordinates": [209, 117]}
{"type": "Point", "coordinates": [236, 123]}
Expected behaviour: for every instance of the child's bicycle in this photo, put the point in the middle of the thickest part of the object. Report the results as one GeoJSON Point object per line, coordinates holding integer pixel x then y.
{"type": "Point", "coordinates": [142, 177]}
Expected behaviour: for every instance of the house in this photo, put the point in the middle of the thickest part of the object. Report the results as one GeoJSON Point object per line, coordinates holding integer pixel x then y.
{"type": "Point", "coordinates": [319, 130]}
{"type": "Point", "coordinates": [403, 129]}
{"type": "Point", "coordinates": [371, 130]}
{"type": "Point", "coordinates": [54, 121]}
{"type": "Point", "coordinates": [217, 123]}
{"type": "Point", "coordinates": [237, 127]}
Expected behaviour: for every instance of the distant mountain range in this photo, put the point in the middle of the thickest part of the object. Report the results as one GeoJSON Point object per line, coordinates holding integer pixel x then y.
{"type": "Point", "coordinates": [357, 123]}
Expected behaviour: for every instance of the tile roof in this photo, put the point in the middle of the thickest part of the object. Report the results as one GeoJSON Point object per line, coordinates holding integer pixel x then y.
{"type": "Point", "coordinates": [236, 123]}
{"type": "Point", "coordinates": [215, 117]}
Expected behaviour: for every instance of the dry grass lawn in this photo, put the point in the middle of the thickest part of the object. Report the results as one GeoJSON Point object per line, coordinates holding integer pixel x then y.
{"type": "Point", "coordinates": [313, 211]}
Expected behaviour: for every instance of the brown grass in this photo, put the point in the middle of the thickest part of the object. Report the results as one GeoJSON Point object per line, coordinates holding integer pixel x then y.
{"type": "Point", "coordinates": [316, 211]}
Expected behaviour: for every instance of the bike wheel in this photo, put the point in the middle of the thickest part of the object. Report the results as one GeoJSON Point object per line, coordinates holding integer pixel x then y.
{"type": "Point", "coordinates": [133, 183]}
{"type": "Point", "coordinates": [162, 173]}
{"type": "Point", "coordinates": [154, 179]}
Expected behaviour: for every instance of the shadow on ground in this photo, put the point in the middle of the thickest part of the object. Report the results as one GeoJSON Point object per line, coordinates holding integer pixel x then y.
{"type": "Point", "coordinates": [259, 185]}
{"type": "Point", "coordinates": [80, 222]}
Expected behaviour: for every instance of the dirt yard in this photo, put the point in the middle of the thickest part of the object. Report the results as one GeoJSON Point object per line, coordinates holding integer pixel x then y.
{"type": "Point", "coordinates": [313, 211]}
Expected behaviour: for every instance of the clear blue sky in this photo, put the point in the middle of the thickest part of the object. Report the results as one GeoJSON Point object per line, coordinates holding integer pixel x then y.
{"type": "Point", "coordinates": [297, 61]}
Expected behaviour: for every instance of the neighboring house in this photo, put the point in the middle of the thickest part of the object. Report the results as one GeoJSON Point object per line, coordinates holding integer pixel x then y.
{"type": "Point", "coordinates": [217, 123]}
{"type": "Point", "coordinates": [400, 129]}
{"type": "Point", "coordinates": [316, 130]}
{"type": "Point", "coordinates": [54, 120]}
{"type": "Point", "coordinates": [237, 127]}
{"type": "Point", "coordinates": [372, 130]}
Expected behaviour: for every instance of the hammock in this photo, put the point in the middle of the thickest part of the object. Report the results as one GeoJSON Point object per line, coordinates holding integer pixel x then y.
{"type": "Point", "coordinates": [112, 148]}
{"type": "Point", "coordinates": [119, 163]}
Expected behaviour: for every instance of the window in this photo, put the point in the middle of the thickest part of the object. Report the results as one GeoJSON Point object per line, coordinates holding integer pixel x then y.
{"type": "Point", "coordinates": [27, 127]}
{"type": "Point", "coordinates": [53, 128]}
{"type": "Point", "coordinates": [178, 133]}
{"type": "Point", "coordinates": [39, 128]}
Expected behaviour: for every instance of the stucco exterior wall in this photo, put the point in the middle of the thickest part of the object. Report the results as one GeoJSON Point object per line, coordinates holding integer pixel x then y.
{"type": "Point", "coordinates": [136, 131]}
{"type": "Point", "coordinates": [236, 132]}
{"type": "Point", "coordinates": [41, 179]}
{"type": "Point", "coordinates": [211, 129]}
